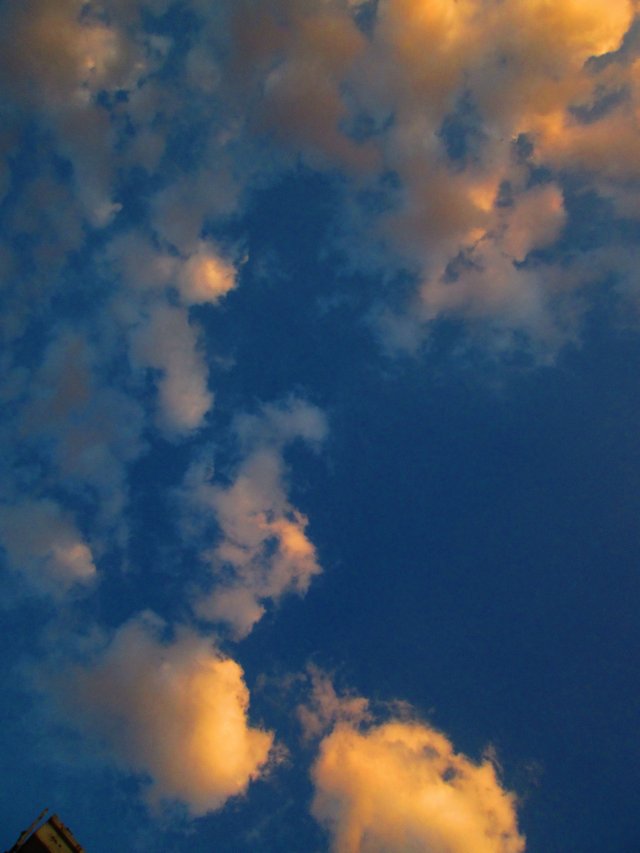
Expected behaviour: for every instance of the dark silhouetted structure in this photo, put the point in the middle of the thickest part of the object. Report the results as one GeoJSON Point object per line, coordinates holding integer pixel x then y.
{"type": "Point", "coordinates": [52, 836]}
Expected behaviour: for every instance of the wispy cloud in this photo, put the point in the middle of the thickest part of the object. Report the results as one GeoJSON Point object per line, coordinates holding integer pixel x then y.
{"type": "Point", "coordinates": [263, 552]}
{"type": "Point", "coordinates": [42, 541]}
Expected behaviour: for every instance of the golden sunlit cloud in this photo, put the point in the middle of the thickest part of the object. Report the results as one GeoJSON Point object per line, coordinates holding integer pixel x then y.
{"type": "Point", "coordinates": [174, 712]}
{"type": "Point", "coordinates": [206, 277]}
{"type": "Point", "coordinates": [401, 786]}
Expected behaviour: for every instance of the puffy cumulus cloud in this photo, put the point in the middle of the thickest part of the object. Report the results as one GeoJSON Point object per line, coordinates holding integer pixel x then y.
{"type": "Point", "coordinates": [487, 279]}
{"type": "Point", "coordinates": [42, 541]}
{"type": "Point", "coordinates": [402, 786]}
{"type": "Point", "coordinates": [161, 335]}
{"type": "Point", "coordinates": [535, 221]}
{"type": "Point", "coordinates": [144, 268]}
{"type": "Point", "coordinates": [278, 424]}
{"type": "Point", "coordinates": [167, 342]}
{"type": "Point", "coordinates": [264, 546]}
{"type": "Point", "coordinates": [263, 551]}
{"type": "Point", "coordinates": [174, 712]}
{"type": "Point", "coordinates": [152, 311]}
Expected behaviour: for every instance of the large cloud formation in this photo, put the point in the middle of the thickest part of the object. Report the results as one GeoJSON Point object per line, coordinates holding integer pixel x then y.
{"type": "Point", "coordinates": [468, 135]}
{"type": "Point", "coordinates": [402, 786]}
{"type": "Point", "coordinates": [463, 120]}
{"type": "Point", "coordinates": [175, 712]}
{"type": "Point", "coordinates": [399, 784]}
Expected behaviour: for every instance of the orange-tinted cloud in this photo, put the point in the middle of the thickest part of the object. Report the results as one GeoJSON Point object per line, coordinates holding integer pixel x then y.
{"type": "Point", "coordinates": [290, 78]}
{"type": "Point", "coordinates": [325, 706]}
{"type": "Point", "coordinates": [401, 786]}
{"type": "Point", "coordinates": [42, 541]}
{"type": "Point", "coordinates": [89, 429]}
{"type": "Point", "coordinates": [167, 342]}
{"type": "Point", "coordinates": [174, 712]}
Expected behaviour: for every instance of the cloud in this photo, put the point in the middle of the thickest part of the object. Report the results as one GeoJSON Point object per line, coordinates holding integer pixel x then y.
{"type": "Point", "coordinates": [263, 552]}
{"type": "Point", "coordinates": [278, 424]}
{"type": "Point", "coordinates": [42, 541]}
{"type": "Point", "coordinates": [488, 280]}
{"type": "Point", "coordinates": [325, 707]}
{"type": "Point", "coordinates": [167, 342]}
{"type": "Point", "coordinates": [372, 104]}
{"type": "Point", "coordinates": [303, 104]}
{"type": "Point", "coordinates": [440, 101]}
{"type": "Point", "coordinates": [85, 430]}
{"type": "Point", "coordinates": [402, 786]}
{"type": "Point", "coordinates": [161, 334]}
{"type": "Point", "coordinates": [51, 53]}
{"type": "Point", "coordinates": [58, 56]}
{"type": "Point", "coordinates": [435, 99]}
{"type": "Point", "coordinates": [494, 73]}
{"type": "Point", "coordinates": [206, 276]}
{"type": "Point", "coordinates": [173, 712]}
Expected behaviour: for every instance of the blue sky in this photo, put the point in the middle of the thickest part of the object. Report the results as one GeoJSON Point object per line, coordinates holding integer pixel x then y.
{"type": "Point", "coordinates": [320, 487]}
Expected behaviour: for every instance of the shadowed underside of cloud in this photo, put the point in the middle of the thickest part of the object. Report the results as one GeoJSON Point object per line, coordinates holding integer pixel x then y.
{"type": "Point", "coordinates": [174, 713]}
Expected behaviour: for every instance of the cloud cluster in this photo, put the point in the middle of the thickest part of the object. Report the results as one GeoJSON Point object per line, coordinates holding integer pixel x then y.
{"type": "Point", "coordinates": [68, 435]}
{"type": "Point", "coordinates": [459, 128]}
{"type": "Point", "coordinates": [263, 552]}
{"type": "Point", "coordinates": [402, 786]}
{"type": "Point", "coordinates": [173, 712]}
{"type": "Point", "coordinates": [58, 57]}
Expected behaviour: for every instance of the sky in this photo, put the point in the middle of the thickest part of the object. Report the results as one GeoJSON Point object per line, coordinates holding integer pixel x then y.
{"type": "Point", "coordinates": [320, 487]}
